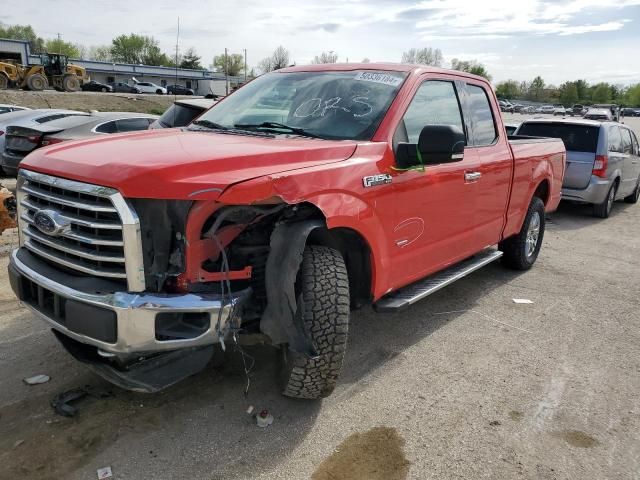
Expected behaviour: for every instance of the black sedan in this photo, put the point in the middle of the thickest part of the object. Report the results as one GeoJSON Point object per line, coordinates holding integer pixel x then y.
{"type": "Point", "coordinates": [94, 86]}
{"type": "Point", "coordinates": [179, 90]}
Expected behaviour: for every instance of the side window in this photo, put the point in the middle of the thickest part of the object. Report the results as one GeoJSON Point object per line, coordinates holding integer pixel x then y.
{"type": "Point", "coordinates": [107, 127]}
{"type": "Point", "coordinates": [627, 146]}
{"type": "Point", "coordinates": [132, 124]}
{"type": "Point", "coordinates": [481, 117]}
{"type": "Point", "coordinates": [435, 103]}
{"type": "Point", "coordinates": [615, 139]}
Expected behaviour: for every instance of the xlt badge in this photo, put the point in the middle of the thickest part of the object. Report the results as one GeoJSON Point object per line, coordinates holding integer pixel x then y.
{"type": "Point", "coordinates": [374, 180]}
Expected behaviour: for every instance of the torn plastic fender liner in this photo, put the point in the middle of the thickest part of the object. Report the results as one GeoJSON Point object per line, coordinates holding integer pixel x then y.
{"type": "Point", "coordinates": [282, 319]}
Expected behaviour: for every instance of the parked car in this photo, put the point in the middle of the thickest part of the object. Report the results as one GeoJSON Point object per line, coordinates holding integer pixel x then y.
{"type": "Point", "coordinates": [28, 118]}
{"type": "Point", "coordinates": [179, 90]}
{"type": "Point", "coordinates": [598, 114]}
{"type": "Point", "coordinates": [5, 108]}
{"type": "Point", "coordinates": [93, 86]}
{"type": "Point", "coordinates": [148, 87]}
{"type": "Point", "coordinates": [22, 140]}
{"type": "Point", "coordinates": [242, 225]}
{"type": "Point", "coordinates": [505, 106]}
{"type": "Point", "coordinates": [121, 87]}
{"type": "Point", "coordinates": [182, 112]}
{"type": "Point", "coordinates": [511, 127]}
{"type": "Point", "coordinates": [603, 160]}
{"type": "Point", "coordinates": [626, 112]}
{"type": "Point", "coordinates": [548, 109]}
{"type": "Point", "coordinates": [561, 111]}
{"type": "Point", "coordinates": [611, 107]}
{"type": "Point", "coordinates": [577, 110]}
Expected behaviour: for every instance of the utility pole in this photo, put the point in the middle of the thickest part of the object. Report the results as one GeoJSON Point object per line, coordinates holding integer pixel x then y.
{"type": "Point", "coordinates": [245, 65]}
{"type": "Point", "coordinates": [226, 72]}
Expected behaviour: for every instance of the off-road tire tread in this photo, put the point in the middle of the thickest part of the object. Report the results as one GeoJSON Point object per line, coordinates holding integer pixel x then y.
{"type": "Point", "coordinates": [325, 289]}
{"type": "Point", "coordinates": [513, 248]}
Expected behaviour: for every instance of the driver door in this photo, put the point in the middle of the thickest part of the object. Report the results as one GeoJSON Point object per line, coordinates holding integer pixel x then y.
{"type": "Point", "coordinates": [433, 206]}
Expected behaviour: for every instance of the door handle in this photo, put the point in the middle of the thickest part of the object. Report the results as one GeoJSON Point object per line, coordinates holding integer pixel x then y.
{"type": "Point", "coordinates": [472, 176]}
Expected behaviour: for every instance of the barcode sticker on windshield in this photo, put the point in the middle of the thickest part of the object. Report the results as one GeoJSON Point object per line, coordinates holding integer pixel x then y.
{"type": "Point", "coordinates": [383, 78]}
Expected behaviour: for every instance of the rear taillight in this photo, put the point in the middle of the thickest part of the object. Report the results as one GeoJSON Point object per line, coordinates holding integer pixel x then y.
{"type": "Point", "coordinates": [600, 166]}
{"type": "Point", "coordinates": [51, 141]}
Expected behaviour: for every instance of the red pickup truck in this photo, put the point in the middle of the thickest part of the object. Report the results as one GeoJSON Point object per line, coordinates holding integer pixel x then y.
{"type": "Point", "coordinates": [306, 193]}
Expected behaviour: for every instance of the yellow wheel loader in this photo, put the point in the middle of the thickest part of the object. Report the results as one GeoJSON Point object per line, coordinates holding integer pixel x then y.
{"type": "Point", "coordinates": [54, 71]}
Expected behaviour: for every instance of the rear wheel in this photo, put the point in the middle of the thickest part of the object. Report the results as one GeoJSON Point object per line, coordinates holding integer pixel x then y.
{"type": "Point", "coordinates": [324, 286]}
{"type": "Point", "coordinates": [521, 250]}
{"type": "Point", "coordinates": [603, 210]}
{"type": "Point", "coordinates": [70, 83]}
{"type": "Point", "coordinates": [103, 90]}
{"type": "Point", "coordinates": [4, 82]}
{"type": "Point", "coordinates": [159, 92]}
{"type": "Point", "coordinates": [36, 82]}
{"type": "Point", "coordinates": [633, 198]}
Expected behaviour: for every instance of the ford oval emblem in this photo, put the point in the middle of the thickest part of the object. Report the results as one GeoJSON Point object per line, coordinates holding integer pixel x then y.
{"type": "Point", "coordinates": [50, 222]}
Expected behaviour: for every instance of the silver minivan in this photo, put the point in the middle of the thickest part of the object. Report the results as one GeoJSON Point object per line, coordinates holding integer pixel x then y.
{"type": "Point", "coordinates": [603, 160]}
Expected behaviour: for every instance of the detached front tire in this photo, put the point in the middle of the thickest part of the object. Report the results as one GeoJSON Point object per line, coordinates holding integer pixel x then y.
{"type": "Point", "coordinates": [324, 286]}
{"type": "Point", "coordinates": [521, 251]}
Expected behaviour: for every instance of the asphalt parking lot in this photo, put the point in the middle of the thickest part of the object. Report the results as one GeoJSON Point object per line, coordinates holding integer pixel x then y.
{"type": "Point", "coordinates": [465, 385]}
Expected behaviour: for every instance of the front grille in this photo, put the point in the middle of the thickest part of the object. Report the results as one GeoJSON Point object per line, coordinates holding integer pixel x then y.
{"type": "Point", "coordinates": [91, 230]}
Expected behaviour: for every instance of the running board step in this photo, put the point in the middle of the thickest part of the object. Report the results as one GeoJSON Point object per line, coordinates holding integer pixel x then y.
{"type": "Point", "coordinates": [401, 299]}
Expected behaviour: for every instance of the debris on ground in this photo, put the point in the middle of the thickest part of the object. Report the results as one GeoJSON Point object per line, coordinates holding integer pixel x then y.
{"type": "Point", "coordinates": [250, 410]}
{"type": "Point", "coordinates": [7, 209]}
{"type": "Point", "coordinates": [264, 419]}
{"type": "Point", "coordinates": [18, 443]}
{"type": "Point", "coordinates": [36, 379]}
{"type": "Point", "coordinates": [104, 472]}
{"type": "Point", "coordinates": [522, 300]}
{"type": "Point", "coordinates": [62, 402]}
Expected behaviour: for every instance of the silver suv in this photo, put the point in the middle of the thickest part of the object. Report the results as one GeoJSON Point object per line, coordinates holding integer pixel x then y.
{"type": "Point", "coordinates": [603, 160]}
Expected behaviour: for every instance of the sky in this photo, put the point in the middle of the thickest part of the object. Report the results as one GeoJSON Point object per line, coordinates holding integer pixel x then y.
{"type": "Point", "coordinates": [597, 40]}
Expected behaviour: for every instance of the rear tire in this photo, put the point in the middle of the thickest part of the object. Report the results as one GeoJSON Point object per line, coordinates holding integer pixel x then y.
{"type": "Point", "coordinates": [159, 92]}
{"type": "Point", "coordinates": [324, 285]}
{"type": "Point", "coordinates": [521, 250]}
{"type": "Point", "coordinates": [4, 81]}
{"type": "Point", "coordinates": [633, 198]}
{"type": "Point", "coordinates": [603, 210]}
{"type": "Point", "coordinates": [103, 90]}
{"type": "Point", "coordinates": [37, 82]}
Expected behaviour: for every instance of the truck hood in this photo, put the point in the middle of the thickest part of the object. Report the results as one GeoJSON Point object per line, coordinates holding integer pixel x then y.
{"type": "Point", "coordinates": [181, 164]}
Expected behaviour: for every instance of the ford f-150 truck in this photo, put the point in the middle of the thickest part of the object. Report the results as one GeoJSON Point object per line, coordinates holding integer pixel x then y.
{"type": "Point", "coordinates": [308, 192]}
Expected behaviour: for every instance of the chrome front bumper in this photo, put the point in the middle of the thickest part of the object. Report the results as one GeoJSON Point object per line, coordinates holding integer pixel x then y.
{"type": "Point", "coordinates": [135, 314]}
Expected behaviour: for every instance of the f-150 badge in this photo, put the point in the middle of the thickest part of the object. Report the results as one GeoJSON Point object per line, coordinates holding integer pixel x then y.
{"type": "Point", "coordinates": [374, 180]}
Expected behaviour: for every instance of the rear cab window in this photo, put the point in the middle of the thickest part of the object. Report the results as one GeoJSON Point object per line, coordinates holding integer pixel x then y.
{"type": "Point", "coordinates": [132, 124]}
{"type": "Point", "coordinates": [576, 137]}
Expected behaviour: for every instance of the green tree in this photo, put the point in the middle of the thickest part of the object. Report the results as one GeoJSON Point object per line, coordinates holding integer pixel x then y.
{"type": "Point", "coordinates": [190, 60]}
{"type": "Point", "coordinates": [60, 46]}
{"type": "Point", "coordinates": [100, 53]}
{"type": "Point", "coordinates": [138, 49]}
{"type": "Point", "coordinates": [632, 95]}
{"type": "Point", "coordinates": [568, 93]}
{"type": "Point", "coordinates": [536, 89]}
{"type": "Point", "coordinates": [470, 66]}
{"type": "Point", "coordinates": [232, 65]}
{"type": "Point", "coordinates": [508, 89]}
{"type": "Point", "coordinates": [582, 88]}
{"type": "Point", "coordinates": [23, 32]}
{"type": "Point", "coordinates": [601, 93]}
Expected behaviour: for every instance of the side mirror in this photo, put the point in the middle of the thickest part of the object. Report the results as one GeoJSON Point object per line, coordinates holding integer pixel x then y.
{"type": "Point", "coordinates": [436, 144]}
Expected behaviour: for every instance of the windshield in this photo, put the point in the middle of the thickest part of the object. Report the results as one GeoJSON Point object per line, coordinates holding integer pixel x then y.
{"type": "Point", "coordinates": [576, 138]}
{"type": "Point", "coordinates": [332, 105]}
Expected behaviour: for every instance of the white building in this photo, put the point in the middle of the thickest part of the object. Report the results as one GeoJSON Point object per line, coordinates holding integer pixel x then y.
{"type": "Point", "coordinates": [202, 82]}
